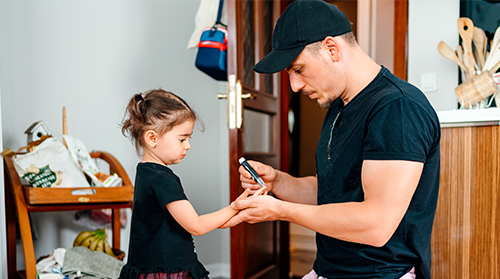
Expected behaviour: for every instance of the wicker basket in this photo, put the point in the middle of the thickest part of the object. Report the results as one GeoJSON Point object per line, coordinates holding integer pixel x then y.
{"type": "Point", "coordinates": [476, 89]}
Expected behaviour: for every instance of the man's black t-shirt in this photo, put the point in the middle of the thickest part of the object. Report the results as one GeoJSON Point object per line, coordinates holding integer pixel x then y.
{"type": "Point", "coordinates": [388, 120]}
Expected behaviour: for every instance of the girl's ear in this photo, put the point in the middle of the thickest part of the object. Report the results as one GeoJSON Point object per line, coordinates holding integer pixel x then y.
{"type": "Point", "coordinates": [150, 138]}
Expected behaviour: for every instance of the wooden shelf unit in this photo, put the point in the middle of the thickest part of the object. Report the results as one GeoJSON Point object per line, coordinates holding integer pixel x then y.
{"type": "Point", "coordinates": [113, 198]}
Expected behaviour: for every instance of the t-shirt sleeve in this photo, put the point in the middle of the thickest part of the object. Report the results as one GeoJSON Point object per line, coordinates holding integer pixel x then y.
{"type": "Point", "coordinates": [167, 188]}
{"type": "Point", "coordinates": [401, 130]}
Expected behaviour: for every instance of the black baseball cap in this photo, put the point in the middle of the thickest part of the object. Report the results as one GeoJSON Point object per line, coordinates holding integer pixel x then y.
{"type": "Point", "coordinates": [303, 22]}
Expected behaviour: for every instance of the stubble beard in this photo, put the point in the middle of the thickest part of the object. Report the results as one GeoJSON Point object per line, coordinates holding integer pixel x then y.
{"type": "Point", "coordinates": [327, 104]}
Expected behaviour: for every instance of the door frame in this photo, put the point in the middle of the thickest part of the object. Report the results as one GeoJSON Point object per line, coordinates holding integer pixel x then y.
{"type": "Point", "coordinates": [401, 38]}
{"type": "Point", "coordinates": [281, 227]}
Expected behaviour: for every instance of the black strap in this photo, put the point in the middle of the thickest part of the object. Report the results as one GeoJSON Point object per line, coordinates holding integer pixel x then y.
{"type": "Point", "coordinates": [219, 13]}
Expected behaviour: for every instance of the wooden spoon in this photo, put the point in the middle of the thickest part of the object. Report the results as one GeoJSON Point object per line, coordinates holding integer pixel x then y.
{"type": "Point", "coordinates": [494, 46]}
{"type": "Point", "coordinates": [447, 52]}
{"type": "Point", "coordinates": [478, 39]}
{"type": "Point", "coordinates": [493, 59]}
{"type": "Point", "coordinates": [460, 54]}
{"type": "Point", "coordinates": [495, 68]}
{"type": "Point", "coordinates": [466, 31]}
{"type": "Point", "coordinates": [496, 39]}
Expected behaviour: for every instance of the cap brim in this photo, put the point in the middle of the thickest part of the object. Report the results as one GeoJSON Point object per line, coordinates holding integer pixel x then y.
{"type": "Point", "coordinates": [277, 60]}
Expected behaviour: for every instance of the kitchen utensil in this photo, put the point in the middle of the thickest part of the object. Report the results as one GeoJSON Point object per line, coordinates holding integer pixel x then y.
{"type": "Point", "coordinates": [460, 54]}
{"type": "Point", "coordinates": [493, 57]}
{"type": "Point", "coordinates": [497, 96]}
{"type": "Point", "coordinates": [476, 89]}
{"type": "Point", "coordinates": [447, 52]}
{"type": "Point", "coordinates": [466, 31]}
{"type": "Point", "coordinates": [496, 39]}
{"type": "Point", "coordinates": [478, 38]}
{"type": "Point", "coordinates": [495, 68]}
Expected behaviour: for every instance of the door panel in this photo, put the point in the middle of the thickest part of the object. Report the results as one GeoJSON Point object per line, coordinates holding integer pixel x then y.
{"type": "Point", "coordinates": [260, 140]}
{"type": "Point", "coordinates": [258, 250]}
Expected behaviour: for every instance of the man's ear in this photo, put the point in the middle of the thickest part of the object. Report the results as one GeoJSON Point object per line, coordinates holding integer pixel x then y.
{"type": "Point", "coordinates": [150, 138]}
{"type": "Point", "coordinates": [332, 46]}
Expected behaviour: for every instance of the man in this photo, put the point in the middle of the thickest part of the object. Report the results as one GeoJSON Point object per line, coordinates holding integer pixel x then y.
{"type": "Point", "coordinates": [373, 200]}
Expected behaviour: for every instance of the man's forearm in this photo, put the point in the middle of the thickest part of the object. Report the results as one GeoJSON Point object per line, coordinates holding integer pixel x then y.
{"type": "Point", "coordinates": [298, 190]}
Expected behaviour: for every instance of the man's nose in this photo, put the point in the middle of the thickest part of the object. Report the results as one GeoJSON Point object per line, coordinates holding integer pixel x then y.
{"type": "Point", "coordinates": [296, 84]}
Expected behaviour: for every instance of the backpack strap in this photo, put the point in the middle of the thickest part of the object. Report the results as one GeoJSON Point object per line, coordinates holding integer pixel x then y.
{"type": "Point", "coordinates": [219, 14]}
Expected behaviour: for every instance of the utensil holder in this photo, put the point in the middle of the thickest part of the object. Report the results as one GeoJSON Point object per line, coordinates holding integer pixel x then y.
{"type": "Point", "coordinates": [476, 89]}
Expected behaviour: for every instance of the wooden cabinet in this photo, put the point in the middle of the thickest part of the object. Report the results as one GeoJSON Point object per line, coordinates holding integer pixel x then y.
{"type": "Point", "coordinates": [20, 200]}
{"type": "Point", "coordinates": [466, 233]}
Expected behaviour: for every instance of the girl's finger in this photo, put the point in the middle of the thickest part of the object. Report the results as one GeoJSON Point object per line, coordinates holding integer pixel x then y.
{"type": "Point", "coordinates": [260, 191]}
{"type": "Point", "coordinates": [244, 195]}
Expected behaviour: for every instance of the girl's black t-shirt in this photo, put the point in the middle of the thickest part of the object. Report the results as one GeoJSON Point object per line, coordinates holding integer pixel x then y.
{"type": "Point", "coordinates": [157, 242]}
{"type": "Point", "coordinates": [389, 120]}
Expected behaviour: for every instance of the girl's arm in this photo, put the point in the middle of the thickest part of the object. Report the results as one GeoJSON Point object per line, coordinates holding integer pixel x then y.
{"type": "Point", "coordinates": [185, 214]}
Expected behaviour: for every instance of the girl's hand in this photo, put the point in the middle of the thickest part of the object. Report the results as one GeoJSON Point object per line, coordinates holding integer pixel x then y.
{"type": "Point", "coordinates": [243, 195]}
{"type": "Point", "coordinates": [255, 210]}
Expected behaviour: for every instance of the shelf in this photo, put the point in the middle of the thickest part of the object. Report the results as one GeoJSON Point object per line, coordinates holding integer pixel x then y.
{"type": "Point", "coordinates": [78, 195]}
{"type": "Point", "coordinates": [23, 199]}
{"type": "Point", "coordinates": [469, 117]}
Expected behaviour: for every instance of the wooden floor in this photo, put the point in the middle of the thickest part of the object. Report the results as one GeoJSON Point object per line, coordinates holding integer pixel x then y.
{"type": "Point", "coordinates": [301, 262]}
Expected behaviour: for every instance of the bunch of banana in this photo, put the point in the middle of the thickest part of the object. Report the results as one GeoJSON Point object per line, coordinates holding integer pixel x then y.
{"type": "Point", "coordinates": [94, 240]}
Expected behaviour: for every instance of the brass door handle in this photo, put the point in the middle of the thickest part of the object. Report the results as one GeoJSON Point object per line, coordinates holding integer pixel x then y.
{"type": "Point", "coordinates": [243, 96]}
{"type": "Point", "coordinates": [234, 98]}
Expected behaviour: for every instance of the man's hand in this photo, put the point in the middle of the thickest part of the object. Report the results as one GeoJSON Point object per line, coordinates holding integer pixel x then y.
{"type": "Point", "coordinates": [255, 210]}
{"type": "Point", "coordinates": [235, 220]}
{"type": "Point", "coordinates": [267, 173]}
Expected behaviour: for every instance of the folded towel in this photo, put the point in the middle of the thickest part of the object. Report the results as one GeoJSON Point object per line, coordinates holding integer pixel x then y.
{"type": "Point", "coordinates": [52, 263]}
{"type": "Point", "coordinates": [80, 262]}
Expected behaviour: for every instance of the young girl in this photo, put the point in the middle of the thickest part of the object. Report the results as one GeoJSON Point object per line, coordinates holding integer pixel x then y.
{"type": "Point", "coordinates": [163, 220]}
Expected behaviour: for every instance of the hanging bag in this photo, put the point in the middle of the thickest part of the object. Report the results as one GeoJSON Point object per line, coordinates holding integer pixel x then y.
{"type": "Point", "coordinates": [212, 49]}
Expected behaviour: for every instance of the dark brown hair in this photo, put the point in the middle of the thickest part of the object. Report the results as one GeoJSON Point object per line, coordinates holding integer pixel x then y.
{"type": "Point", "coordinates": [157, 110]}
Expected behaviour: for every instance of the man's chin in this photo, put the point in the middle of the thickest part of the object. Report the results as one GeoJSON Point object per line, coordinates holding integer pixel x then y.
{"type": "Point", "coordinates": [324, 105]}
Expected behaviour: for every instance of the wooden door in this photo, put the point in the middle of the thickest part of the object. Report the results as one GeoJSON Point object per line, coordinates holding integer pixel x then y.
{"type": "Point", "coordinates": [258, 250]}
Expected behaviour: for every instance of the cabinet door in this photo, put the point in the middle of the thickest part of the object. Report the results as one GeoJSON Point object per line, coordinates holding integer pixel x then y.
{"type": "Point", "coordinates": [466, 233]}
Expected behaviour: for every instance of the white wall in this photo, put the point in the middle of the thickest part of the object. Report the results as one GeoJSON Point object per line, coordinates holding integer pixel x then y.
{"type": "Point", "coordinates": [430, 22]}
{"type": "Point", "coordinates": [3, 227]}
{"type": "Point", "coordinates": [91, 57]}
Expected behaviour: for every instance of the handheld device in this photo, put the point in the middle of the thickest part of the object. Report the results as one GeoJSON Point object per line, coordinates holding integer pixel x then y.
{"type": "Point", "coordinates": [252, 172]}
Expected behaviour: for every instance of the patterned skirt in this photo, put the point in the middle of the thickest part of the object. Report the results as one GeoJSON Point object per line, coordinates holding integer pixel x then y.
{"type": "Point", "coordinates": [163, 275]}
